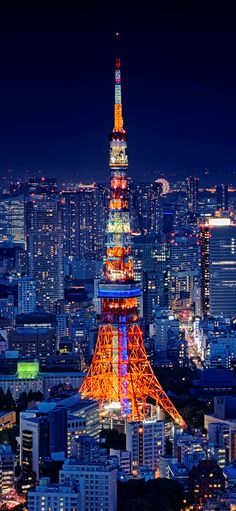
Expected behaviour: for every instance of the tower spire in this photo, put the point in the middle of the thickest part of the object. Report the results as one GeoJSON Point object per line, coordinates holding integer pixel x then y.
{"type": "Point", "coordinates": [118, 119]}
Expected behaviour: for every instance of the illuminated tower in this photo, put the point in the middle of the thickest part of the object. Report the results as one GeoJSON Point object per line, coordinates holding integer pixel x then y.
{"type": "Point", "coordinates": [120, 375]}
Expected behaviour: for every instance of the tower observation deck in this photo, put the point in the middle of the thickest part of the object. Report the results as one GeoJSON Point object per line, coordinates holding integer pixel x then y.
{"type": "Point", "coordinates": [120, 375]}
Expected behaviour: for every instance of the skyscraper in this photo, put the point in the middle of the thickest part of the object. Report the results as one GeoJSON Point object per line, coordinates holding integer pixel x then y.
{"type": "Point", "coordinates": [120, 375]}
{"type": "Point", "coordinates": [26, 295]}
{"type": "Point", "coordinates": [150, 266]}
{"type": "Point", "coordinates": [147, 205]}
{"type": "Point", "coordinates": [192, 185]}
{"type": "Point", "coordinates": [12, 227]}
{"type": "Point", "coordinates": [222, 196]}
{"type": "Point", "coordinates": [45, 249]}
{"type": "Point", "coordinates": [218, 267]}
{"type": "Point", "coordinates": [184, 269]}
{"type": "Point", "coordinates": [84, 221]}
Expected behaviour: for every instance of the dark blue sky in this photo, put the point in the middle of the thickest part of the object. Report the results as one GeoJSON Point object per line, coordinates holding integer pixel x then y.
{"type": "Point", "coordinates": [179, 89]}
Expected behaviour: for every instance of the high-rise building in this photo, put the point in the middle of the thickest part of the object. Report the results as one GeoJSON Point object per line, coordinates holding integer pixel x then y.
{"type": "Point", "coordinates": [45, 249]}
{"type": "Point", "coordinates": [91, 222]}
{"type": "Point", "coordinates": [70, 222]}
{"type": "Point", "coordinates": [184, 270]}
{"type": "Point", "coordinates": [26, 295]}
{"type": "Point", "coordinates": [84, 221]}
{"type": "Point", "coordinates": [166, 326]}
{"type": "Point", "coordinates": [150, 266]}
{"type": "Point", "coordinates": [147, 205]}
{"type": "Point", "coordinates": [192, 185]}
{"type": "Point", "coordinates": [97, 482]}
{"type": "Point", "coordinates": [222, 197]}
{"type": "Point", "coordinates": [146, 442]}
{"type": "Point", "coordinates": [12, 219]}
{"type": "Point", "coordinates": [120, 375]}
{"type": "Point", "coordinates": [218, 267]}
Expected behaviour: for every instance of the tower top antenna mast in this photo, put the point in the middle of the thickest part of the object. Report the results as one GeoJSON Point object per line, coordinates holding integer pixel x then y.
{"type": "Point", "coordinates": [118, 119]}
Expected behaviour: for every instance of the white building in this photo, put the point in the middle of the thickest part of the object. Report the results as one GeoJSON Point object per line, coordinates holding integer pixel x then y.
{"type": "Point", "coordinates": [43, 382]}
{"type": "Point", "coordinates": [146, 442]}
{"type": "Point", "coordinates": [124, 459]}
{"type": "Point", "coordinates": [48, 497]}
{"type": "Point", "coordinates": [97, 483]}
{"type": "Point", "coordinates": [26, 295]}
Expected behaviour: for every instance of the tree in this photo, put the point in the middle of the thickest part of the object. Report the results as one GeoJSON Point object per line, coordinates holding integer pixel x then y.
{"type": "Point", "coordinates": [206, 480]}
{"type": "Point", "coordinates": [10, 403]}
{"type": "Point", "coordinates": [156, 494]}
{"type": "Point", "coordinates": [9, 435]}
{"type": "Point", "coordinates": [2, 399]}
{"type": "Point", "coordinates": [22, 401]}
{"type": "Point", "coordinates": [113, 439]}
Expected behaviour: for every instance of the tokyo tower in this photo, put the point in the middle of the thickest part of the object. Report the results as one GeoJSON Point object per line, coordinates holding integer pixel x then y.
{"type": "Point", "coordinates": [120, 375]}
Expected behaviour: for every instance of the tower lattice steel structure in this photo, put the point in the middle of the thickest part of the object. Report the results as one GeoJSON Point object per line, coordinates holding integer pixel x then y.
{"type": "Point", "coordinates": [120, 374]}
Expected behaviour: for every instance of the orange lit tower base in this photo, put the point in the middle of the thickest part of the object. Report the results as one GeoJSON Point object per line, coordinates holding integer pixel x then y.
{"type": "Point", "coordinates": [120, 375]}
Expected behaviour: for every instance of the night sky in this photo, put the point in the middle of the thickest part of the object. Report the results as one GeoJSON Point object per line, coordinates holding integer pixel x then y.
{"type": "Point", "coordinates": [179, 90]}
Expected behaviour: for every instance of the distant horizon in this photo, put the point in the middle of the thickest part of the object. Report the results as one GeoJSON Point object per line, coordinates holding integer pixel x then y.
{"type": "Point", "coordinates": [178, 90]}
{"type": "Point", "coordinates": [213, 177]}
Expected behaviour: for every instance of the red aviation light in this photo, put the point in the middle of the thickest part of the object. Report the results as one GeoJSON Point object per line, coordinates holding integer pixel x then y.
{"type": "Point", "coordinates": [117, 63]}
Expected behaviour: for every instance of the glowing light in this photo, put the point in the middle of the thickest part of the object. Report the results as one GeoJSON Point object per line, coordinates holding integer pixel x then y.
{"type": "Point", "coordinates": [165, 185]}
{"type": "Point", "coordinates": [219, 222]}
{"type": "Point", "coordinates": [27, 370]}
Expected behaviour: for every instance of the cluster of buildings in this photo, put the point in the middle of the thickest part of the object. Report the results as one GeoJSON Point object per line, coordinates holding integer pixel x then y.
{"type": "Point", "coordinates": [51, 255]}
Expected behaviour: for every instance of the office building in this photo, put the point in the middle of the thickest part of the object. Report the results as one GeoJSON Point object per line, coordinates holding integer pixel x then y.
{"type": "Point", "coordinates": [184, 271]}
{"type": "Point", "coordinates": [166, 327]}
{"type": "Point", "coordinates": [150, 268]}
{"type": "Point", "coordinates": [85, 449]}
{"type": "Point", "coordinates": [97, 481]}
{"type": "Point", "coordinates": [7, 470]}
{"type": "Point", "coordinates": [124, 459]}
{"type": "Point", "coordinates": [218, 267]}
{"type": "Point", "coordinates": [146, 203]}
{"type": "Point", "coordinates": [12, 219]}
{"type": "Point", "coordinates": [222, 197]}
{"type": "Point", "coordinates": [33, 342]}
{"type": "Point", "coordinates": [50, 428]}
{"type": "Point", "coordinates": [44, 231]}
{"type": "Point", "coordinates": [192, 185]}
{"type": "Point", "coordinates": [26, 295]}
{"type": "Point", "coordinates": [52, 497]}
{"type": "Point", "coordinates": [84, 221]}
{"type": "Point", "coordinates": [145, 441]}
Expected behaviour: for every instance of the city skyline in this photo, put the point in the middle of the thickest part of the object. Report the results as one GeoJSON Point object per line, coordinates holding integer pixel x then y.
{"type": "Point", "coordinates": [117, 301]}
{"type": "Point", "coordinates": [179, 98]}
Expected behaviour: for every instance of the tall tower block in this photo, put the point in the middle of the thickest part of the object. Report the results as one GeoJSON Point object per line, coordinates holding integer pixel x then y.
{"type": "Point", "coordinates": [120, 375]}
